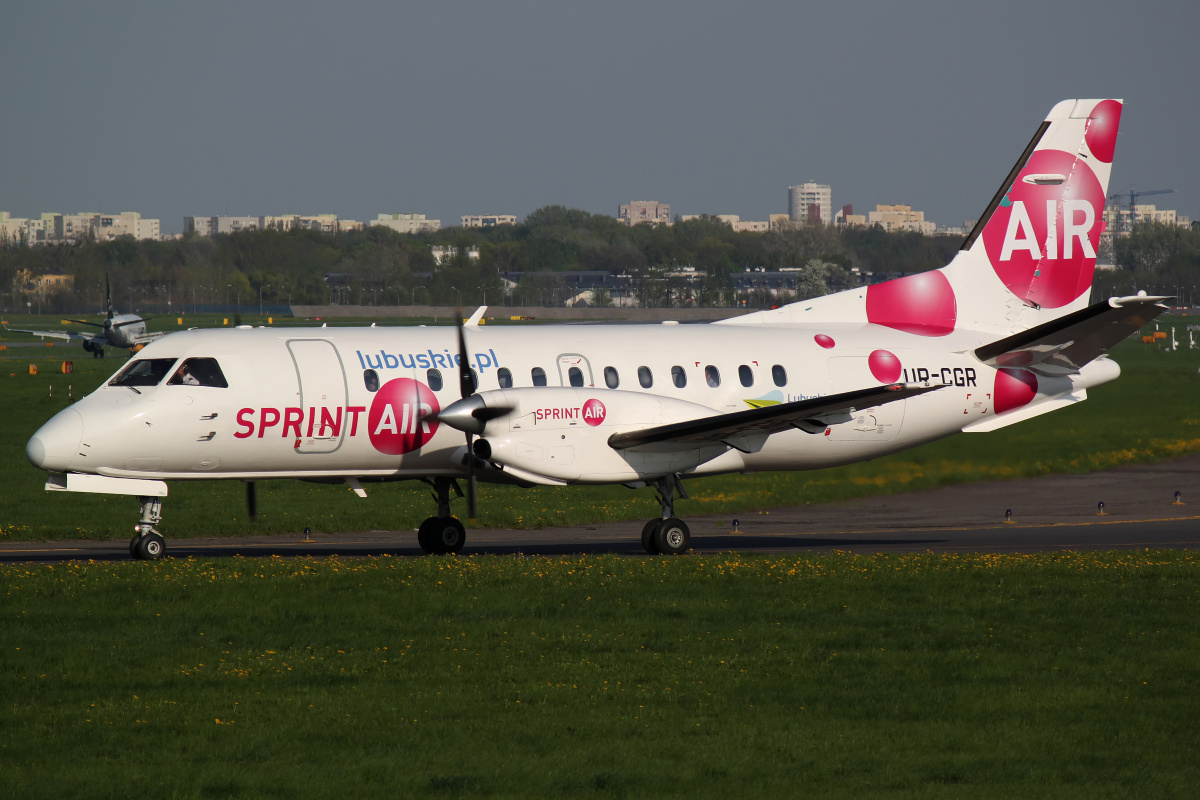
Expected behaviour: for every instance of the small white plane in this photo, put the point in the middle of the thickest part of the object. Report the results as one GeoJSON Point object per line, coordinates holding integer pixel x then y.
{"type": "Point", "coordinates": [126, 331]}
{"type": "Point", "coordinates": [1001, 334]}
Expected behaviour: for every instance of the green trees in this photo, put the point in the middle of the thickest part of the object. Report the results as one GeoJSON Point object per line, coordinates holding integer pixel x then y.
{"type": "Point", "coordinates": [689, 263]}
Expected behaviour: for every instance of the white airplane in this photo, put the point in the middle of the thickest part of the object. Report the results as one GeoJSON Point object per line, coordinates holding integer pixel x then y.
{"type": "Point", "coordinates": [1001, 334]}
{"type": "Point", "coordinates": [126, 331]}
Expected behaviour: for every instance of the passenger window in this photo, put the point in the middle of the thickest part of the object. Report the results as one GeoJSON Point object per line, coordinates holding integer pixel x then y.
{"type": "Point", "coordinates": [539, 376]}
{"type": "Point", "coordinates": [746, 375]}
{"type": "Point", "coordinates": [575, 376]}
{"type": "Point", "coordinates": [504, 377]}
{"type": "Point", "coordinates": [611, 379]}
{"type": "Point", "coordinates": [371, 379]}
{"type": "Point", "coordinates": [679, 377]}
{"type": "Point", "coordinates": [645, 377]}
{"type": "Point", "coordinates": [779, 375]}
{"type": "Point", "coordinates": [434, 378]}
{"type": "Point", "coordinates": [199, 372]}
{"type": "Point", "coordinates": [712, 375]}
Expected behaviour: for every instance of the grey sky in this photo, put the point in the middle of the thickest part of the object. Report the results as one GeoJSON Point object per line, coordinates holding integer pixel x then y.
{"type": "Point", "coordinates": [454, 108]}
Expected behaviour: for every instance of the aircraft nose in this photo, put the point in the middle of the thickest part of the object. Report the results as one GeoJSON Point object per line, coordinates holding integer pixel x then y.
{"type": "Point", "coordinates": [56, 442]}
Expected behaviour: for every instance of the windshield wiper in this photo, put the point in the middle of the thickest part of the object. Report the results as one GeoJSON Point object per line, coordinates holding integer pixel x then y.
{"type": "Point", "coordinates": [131, 386]}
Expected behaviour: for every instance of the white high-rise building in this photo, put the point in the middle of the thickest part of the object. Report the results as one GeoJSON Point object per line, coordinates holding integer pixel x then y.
{"type": "Point", "coordinates": [810, 203]}
{"type": "Point", "coordinates": [407, 223]}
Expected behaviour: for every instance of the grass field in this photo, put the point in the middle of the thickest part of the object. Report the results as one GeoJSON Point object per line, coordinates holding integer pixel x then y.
{"type": "Point", "coordinates": [1052, 675]}
{"type": "Point", "coordinates": [1148, 414]}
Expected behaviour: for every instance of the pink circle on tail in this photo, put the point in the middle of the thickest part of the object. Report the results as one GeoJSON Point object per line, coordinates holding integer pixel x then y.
{"type": "Point", "coordinates": [884, 366]}
{"type": "Point", "coordinates": [1014, 388]}
{"type": "Point", "coordinates": [1049, 273]}
{"type": "Point", "coordinates": [923, 304]}
{"type": "Point", "coordinates": [1101, 136]}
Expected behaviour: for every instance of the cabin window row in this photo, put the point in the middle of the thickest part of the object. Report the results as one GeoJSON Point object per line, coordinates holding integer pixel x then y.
{"type": "Point", "coordinates": [612, 379]}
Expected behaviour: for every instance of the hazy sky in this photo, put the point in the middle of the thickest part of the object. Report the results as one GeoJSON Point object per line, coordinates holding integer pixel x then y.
{"type": "Point", "coordinates": [449, 108]}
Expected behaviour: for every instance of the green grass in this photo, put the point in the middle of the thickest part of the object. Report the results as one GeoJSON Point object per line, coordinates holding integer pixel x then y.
{"type": "Point", "coordinates": [1053, 675]}
{"type": "Point", "coordinates": [1147, 415]}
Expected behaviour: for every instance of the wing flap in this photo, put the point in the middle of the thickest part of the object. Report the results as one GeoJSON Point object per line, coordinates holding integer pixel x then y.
{"type": "Point", "coordinates": [1062, 346]}
{"type": "Point", "coordinates": [746, 427]}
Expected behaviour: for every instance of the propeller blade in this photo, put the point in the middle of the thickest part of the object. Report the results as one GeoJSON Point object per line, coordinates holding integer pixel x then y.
{"type": "Point", "coordinates": [470, 479]}
{"type": "Point", "coordinates": [466, 382]}
{"type": "Point", "coordinates": [466, 386]}
{"type": "Point", "coordinates": [252, 499]}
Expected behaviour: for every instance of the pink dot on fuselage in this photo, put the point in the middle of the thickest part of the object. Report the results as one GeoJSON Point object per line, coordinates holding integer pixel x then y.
{"type": "Point", "coordinates": [823, 340]}
{"type": "Point", "coordinates": [884, 366]}
{"type": "Point", "coordinates": [1101, 136]}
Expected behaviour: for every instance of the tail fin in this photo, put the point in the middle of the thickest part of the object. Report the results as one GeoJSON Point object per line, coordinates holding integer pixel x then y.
{"type": "Point", "coordinates": [1032, 255]}
{"type": "Point", "coordinates": [1028, 260]}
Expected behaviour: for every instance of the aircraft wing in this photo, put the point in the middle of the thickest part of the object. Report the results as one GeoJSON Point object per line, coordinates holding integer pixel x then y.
{"type": "Point", "coordinates": [812, 415]}
{"type": "Point", "coordinates": [65, 335]}
{"type": "Point", "coordinates": [1062, 346]}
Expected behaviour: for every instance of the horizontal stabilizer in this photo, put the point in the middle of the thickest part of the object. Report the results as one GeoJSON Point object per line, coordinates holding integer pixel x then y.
{"type": "Point", "coordinates": [807, 415]}
{"type": "Point", "coordinates": [1062, 346]}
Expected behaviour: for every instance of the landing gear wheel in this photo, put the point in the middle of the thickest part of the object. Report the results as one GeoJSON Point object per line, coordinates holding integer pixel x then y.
{"type": "Point", "coordinates": [439, 535]}
{"type": "Point", "coordinates": [648, 531]}
{"type": "Point", "coordinates": [673, 537]}
{"type": "Point", "coordinates": [151, 547]}
{"type": "Point", "coordinates": [133, 546]}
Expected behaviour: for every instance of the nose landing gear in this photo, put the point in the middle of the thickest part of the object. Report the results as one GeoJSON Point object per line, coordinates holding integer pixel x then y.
{"type": "Point", "coordinates": [148, 544]}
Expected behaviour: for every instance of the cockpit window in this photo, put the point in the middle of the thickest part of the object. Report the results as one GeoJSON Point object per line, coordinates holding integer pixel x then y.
{"type": "Point", "coordinates": [199, 372]}
{"type": "Point", "coordinates": [143, 372]}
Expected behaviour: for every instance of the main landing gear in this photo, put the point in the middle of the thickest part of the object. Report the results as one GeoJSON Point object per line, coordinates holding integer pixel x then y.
{"type": "Point", "coordinates": [667, 535]}
{"type": "Point", "coordinates": [442, 534]}
{"type": "Point", "coordinates": [147, 543]}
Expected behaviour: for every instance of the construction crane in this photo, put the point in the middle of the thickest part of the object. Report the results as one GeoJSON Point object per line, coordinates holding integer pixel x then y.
{"type": "Point", "coordinates": [1133, 197]}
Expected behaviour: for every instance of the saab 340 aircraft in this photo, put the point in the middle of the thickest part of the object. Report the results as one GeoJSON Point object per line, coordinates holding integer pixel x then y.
{"type": "Point", "coordinates": [126, 331]}
{"type": "Point", "coordinates": [1001, 334]}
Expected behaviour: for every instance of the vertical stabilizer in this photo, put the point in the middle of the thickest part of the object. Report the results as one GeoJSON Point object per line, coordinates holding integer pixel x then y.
{"type": "Point", "coordinates": [1032, 255]}
{"type": "Point", "coordinates": [1028, 260]}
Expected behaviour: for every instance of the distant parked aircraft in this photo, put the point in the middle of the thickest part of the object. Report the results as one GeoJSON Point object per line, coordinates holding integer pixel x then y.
{"type": "Point", "coordinates": [127, 331]}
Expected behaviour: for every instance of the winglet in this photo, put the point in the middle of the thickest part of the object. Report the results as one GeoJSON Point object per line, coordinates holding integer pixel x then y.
{"type": "Point", "coordinates": [477, 316]}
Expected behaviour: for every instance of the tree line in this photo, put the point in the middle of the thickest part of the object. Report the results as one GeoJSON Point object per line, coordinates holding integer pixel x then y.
{"type": "Point", "coordinates": [377, 266]}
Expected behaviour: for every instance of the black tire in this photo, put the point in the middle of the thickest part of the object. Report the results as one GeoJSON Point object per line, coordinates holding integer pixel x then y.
{"type": "Point", "coordinates": [133, 546]}
{"type": "Point", "coordinates": [426, 536]}
{"type": "Point", "coordinates": [648, 532]}
{"type": "Point", "coordinates": [450, 536]}
{"type": "Point", "coordinates": [673, 537]}
{"type": "Point", "coordinates": [152, 547]}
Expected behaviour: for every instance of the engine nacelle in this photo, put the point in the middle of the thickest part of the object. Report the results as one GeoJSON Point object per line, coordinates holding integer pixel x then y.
{"type": "Point", "coordinates": [561, 434]}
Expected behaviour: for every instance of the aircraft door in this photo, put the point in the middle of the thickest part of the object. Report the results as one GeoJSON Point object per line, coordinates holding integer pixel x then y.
{"type": "Point", "coordinates": [877, 424]}
{"type": "Point", "coordinates": [574, 370]}
{"type": "Point", "coordinates": [322, 394]}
